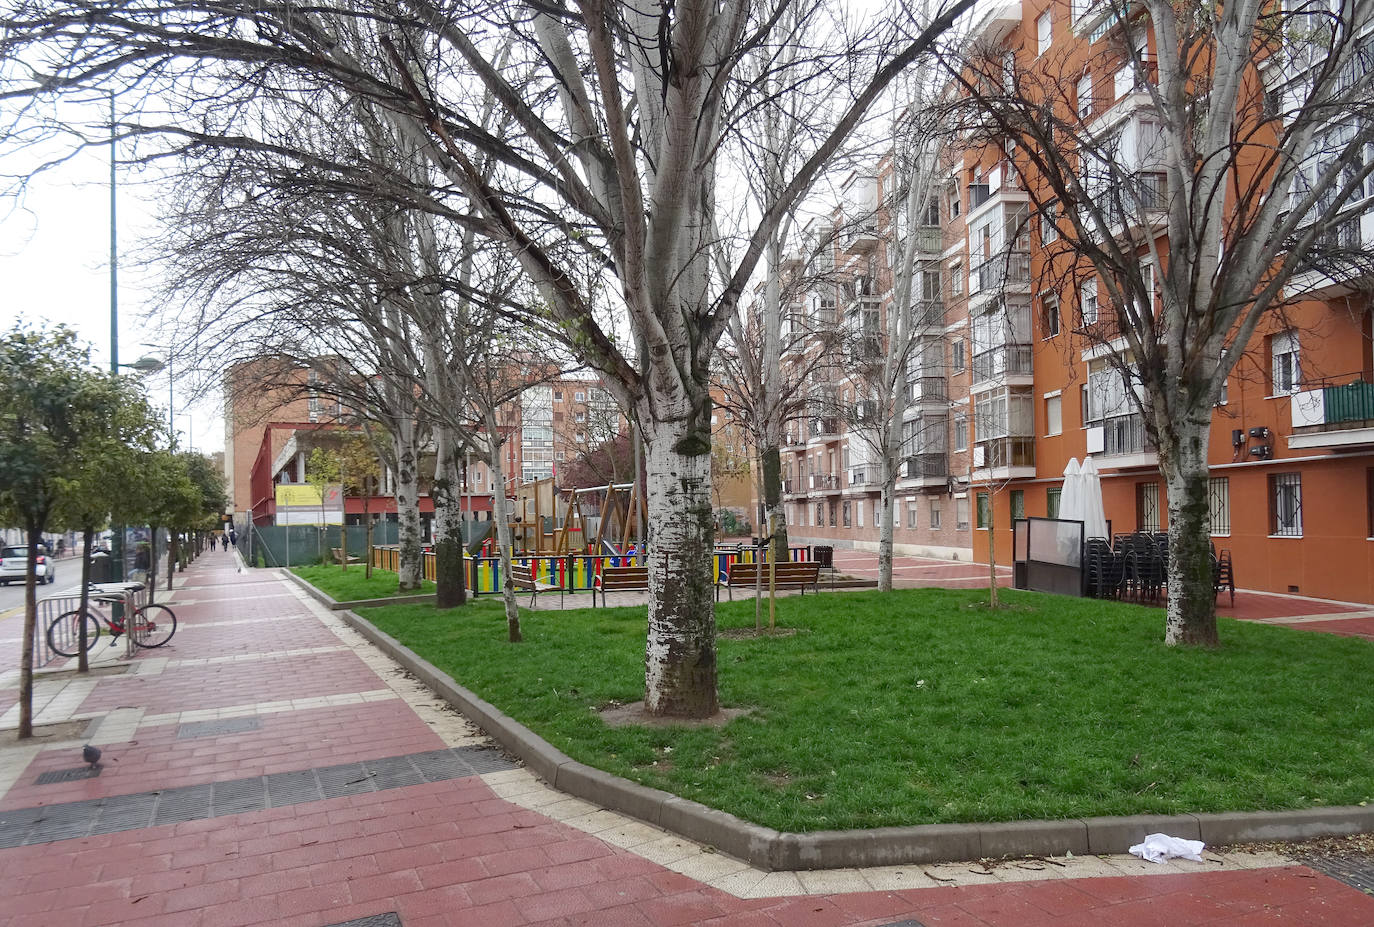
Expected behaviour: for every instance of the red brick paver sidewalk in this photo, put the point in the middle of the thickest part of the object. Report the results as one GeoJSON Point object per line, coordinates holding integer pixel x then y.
{"type": "Point", "coordinates": [456, 851]}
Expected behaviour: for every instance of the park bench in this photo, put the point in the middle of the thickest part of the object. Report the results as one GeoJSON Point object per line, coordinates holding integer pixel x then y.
{"type": "Point", "coordinates": [619, 579]}
{"type": "Point", "coordinates": [339, 556]}
{"type": "Point", "coordinates": [789, 575]}
{"type": "Point", "coordinates": [522, 577]}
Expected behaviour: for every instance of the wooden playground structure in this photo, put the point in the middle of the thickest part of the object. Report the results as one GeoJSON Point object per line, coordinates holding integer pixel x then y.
{"type": "Point", "coordinates": [549, 521]}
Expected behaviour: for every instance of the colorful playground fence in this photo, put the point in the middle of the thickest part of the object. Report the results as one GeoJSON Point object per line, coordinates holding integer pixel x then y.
{"type": "Point", "coordinates": [570, 572]}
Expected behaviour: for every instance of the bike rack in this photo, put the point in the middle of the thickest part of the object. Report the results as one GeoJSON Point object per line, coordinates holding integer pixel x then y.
{"type": "Point", "coordinates": [131, 596]}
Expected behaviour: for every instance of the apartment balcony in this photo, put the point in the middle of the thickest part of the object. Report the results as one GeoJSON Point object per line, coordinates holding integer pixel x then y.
{"type": "Point", "coordinates": [1137, 201]}
{"type": "Point", "coordinates": [1333, 417]}
{"type": "Point", "coordinates": [794, 440]}
{"type": "Point", "coordinates": [1120, 435]}
{"type": "Point", "coordinates": [929, 390]}
{"type": "Point", "coordinates": [824, 428]}
{"type": "Point", "coordinates": [1096, 18]}
{"type": "Point", "coordinates": [865, 478]}
{"type": "Point", "coordinates": [1013, 453]}
{"type": "Point", "coordinates": [1338, 255]}
{"type": "Point", "coordinates": [825, 482]}
{"type": "Point", "coordinates": [794, 488]}
{"type": "Point", "coordinates": [932, 466]}
{"type": "Point", "coordinates": [1009, 270]}
{"type": "Point", "coordinates": [860, 235]}
{"type": "Point", "coordinates": [928, 313]}
{"type": "Point", "coordinates": [1003, 365]}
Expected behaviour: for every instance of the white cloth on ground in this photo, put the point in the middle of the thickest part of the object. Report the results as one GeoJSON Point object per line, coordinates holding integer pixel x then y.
{"type": "Point", "coordinates": [1160, 847]}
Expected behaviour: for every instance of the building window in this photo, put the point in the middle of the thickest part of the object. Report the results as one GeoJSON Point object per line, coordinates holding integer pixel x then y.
{"type": "Point", "coordinates": [1369, 499]}
{"type": "Point", "coordinates": [1049, 223]}
{"type": "Point", "coordinates": [961, 513]}
{"type": "Point", "coordinates": [832, 514]}
{"type": "Point", "coordinates": [1049, 314]}
{"type": "Point", "coordinates": [820, 515]}
{"type": "Point", "coordinates": [956, 353]}
{"type": "Point", "coordinates": [1054, 415]}
{"type": "Point", "coordinates": [984, 510]}
{"type": "Point", "coordinates": [1087, 302]}
{"type": "Point", "coordinates": [558, 395]}
{"type": "Point", "coordinates": [1043, 34]}
{"type": "Point", "coordinates": [956, 279]}
{"type": "Point", "coordinates": [1147, 507]}
{"type": "Point", "coordinates": [1085, 96]}
{"type": "Point", "coordinates": [859, 515]}
{"type": "Point", "coordinates": [911, 507]}
{"type": "Point", "coordinates": [560, 456]}
{"type": "Point", "coordinates": [1285, 505]}
{"type": "Point", "coordinates": [1018, 503]}
{"type": "Point", "coordinates": [844, 511]}
{"type": "Point", "coordinates": [1287, 372]}
{"type": "Point", "coordinates": [579, 416]}
{"type": "Point", "coordinates": [877, 514]}
{"type": "Point", "coordinates": [1052, 502]}
{"type": "Point", "coordinates": [934, 514]}
{"type": "Point", "coordinates": [961, 432]}
{"type": "Point", "coordinates": [954, 203]}
{"type": "Point", "coordinates": [1219, 504]}
{"type": "Point", "coordinates": [579, 396]}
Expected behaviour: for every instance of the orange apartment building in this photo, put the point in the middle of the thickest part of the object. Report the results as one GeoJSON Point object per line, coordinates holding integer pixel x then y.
{"type": "Point", "coordinates": [1023, 391]}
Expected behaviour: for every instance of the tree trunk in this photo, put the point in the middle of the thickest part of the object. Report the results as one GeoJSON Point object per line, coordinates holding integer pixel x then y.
{"type": "Point", "coordinates": [992, 544]}
{"type": "Point", "coordinates": [408, 510]}
{"type": "Point", "coordinates": [450, 587]}
{"type": "Point", "coordinates": [151, 579]}
{"type": "Point", "coordinates": [1191, 616]}
{"type": "Point", "coordinates": [774, 512]}
{"type": "Point", "coordinates": [34, 528]}
{"type": "Point", "coordinates": [367, 536]}
{"type": "Point", "coordinates": [87, 539]}
{"type": "Point", "coordinates": [887, 473]}
{"type": "Point", "coordinates": [680, 655]}
{"type": "Point", "coordinates": [502, 519]}
{"type": "Point", "coordinates": [171, 555]}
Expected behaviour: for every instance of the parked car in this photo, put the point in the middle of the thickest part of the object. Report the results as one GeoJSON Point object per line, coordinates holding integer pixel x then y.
{"type": "Point", "coordinates": [14, 563]}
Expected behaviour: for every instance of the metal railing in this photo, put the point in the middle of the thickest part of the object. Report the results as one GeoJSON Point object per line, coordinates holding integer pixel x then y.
{"type": "Point", "coordinates": [1011, 268]}
{"type": "Point", "coordinates": [924, 466]}
{"type": "Point", "coordinates": [1003, 360]}
{"type": "Point", "coordinates": [571, 573]}
{"type": "Point", "coordinates": [1124, 434]}
{"type": "Point", "coordinates": [118, 601]}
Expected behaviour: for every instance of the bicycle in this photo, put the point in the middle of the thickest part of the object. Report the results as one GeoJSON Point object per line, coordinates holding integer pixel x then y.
{"type": "Point", "coordinates": [153, 625]}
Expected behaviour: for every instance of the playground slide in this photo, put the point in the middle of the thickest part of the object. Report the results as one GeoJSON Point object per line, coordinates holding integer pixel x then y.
{"type": "Point", "coordinates": [479, 537]}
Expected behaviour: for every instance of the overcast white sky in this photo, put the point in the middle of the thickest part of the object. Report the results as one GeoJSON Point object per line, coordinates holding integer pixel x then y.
{"type": "Point", "coordinates": [55, 268]}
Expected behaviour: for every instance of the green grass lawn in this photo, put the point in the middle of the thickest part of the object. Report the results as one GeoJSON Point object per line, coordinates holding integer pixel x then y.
{"type": "Point", "coordinates": [352, 585]}
{"type": "Point", "coordinates": [922, 706]}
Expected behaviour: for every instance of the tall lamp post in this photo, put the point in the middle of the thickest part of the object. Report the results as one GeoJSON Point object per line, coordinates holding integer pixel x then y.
{"type": "Point", "coordinates": [116, 531]}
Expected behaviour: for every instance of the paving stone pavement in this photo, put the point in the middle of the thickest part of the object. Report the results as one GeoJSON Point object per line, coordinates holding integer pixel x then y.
{"type": "Point", "coordinates": [269, 767]}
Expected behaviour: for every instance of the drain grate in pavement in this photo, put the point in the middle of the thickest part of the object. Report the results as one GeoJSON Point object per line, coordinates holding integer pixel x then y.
{"type": "Point", "coordinates": [390, 919]}
{"type": "Point", "coordinates": [53, 776]}
{"type": "Point", "coordinates": [217, 728]}
{"type": "Point", "coordinates": [44, 824]}
{"type": "Point", "coordinates": [1355, 870]}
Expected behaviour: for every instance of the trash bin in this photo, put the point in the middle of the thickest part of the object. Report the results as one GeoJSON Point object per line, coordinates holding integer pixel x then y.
{"type": "Point", "coordinates": [102, 568]}
{"type": "Point", "coordinates": [824, 554]}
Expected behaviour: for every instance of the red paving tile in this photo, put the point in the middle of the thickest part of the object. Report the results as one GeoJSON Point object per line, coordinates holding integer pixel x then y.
{"type": "Point", "coordinates": [453, 853]}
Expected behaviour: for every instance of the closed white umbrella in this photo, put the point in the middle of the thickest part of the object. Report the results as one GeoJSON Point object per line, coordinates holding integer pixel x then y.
{"type": "Point", "coordinates": [1071, 496]}
{"type": "Point", "coordinates": [1090, 488]}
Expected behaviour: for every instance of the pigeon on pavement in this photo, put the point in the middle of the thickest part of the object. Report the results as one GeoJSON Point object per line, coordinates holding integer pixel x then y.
{"type": "Point", "coordinates": [90, 754]}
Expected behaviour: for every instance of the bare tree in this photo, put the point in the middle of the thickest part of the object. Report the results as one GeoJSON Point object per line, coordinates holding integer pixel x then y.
{"type": "Point", "coordinates": [1219, 201]}
{"type": "Point", "coordinates": [620, 116]}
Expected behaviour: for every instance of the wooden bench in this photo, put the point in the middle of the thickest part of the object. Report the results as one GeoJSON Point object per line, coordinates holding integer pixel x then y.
{"type": "Point", "coordinates": [339, 556]}
{"type": "Point", "coordinates": [522, 577]}
{"type": "Point", "coordinates": [619, 579]}
{"type": "Point", "coordinates": [789, 575]}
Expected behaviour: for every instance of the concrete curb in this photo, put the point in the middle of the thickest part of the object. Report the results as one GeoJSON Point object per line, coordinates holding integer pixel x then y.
{"type": "Point", "coordinates": [336, 606]}
{"type": "Point", "coordinates": [772, 850]}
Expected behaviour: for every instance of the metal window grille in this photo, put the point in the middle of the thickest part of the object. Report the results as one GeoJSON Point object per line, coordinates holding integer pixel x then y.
{"type": "Point", "coordinates": [1219, 504]}
{"type": "Point", "coordinates": [1147, 506]}
{"type": "Point", "coordinates": [1018, 503]}
{"type": "Point", "coordinates": [1052, 502]}
{"type": "Point", "coordinates": [984, 510]}
{"type": "Point", "coordinates": [845, 513]}
{"type": "Point", "coordinates": [934, 513]}
{"type": "Point", "coordinates": [1285, 501]}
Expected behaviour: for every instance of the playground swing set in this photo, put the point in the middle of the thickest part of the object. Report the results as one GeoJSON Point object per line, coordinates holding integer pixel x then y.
{"type": "Point", "coordinates": [552, 522]}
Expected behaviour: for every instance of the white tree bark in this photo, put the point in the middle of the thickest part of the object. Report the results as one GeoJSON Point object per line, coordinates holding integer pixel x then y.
{"type": "Point", "coordinates": [405, 446]}
{"type": "Point", "coordinates": [680, 656]}
{"type": "Point", "coordinates": [499, 515]}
